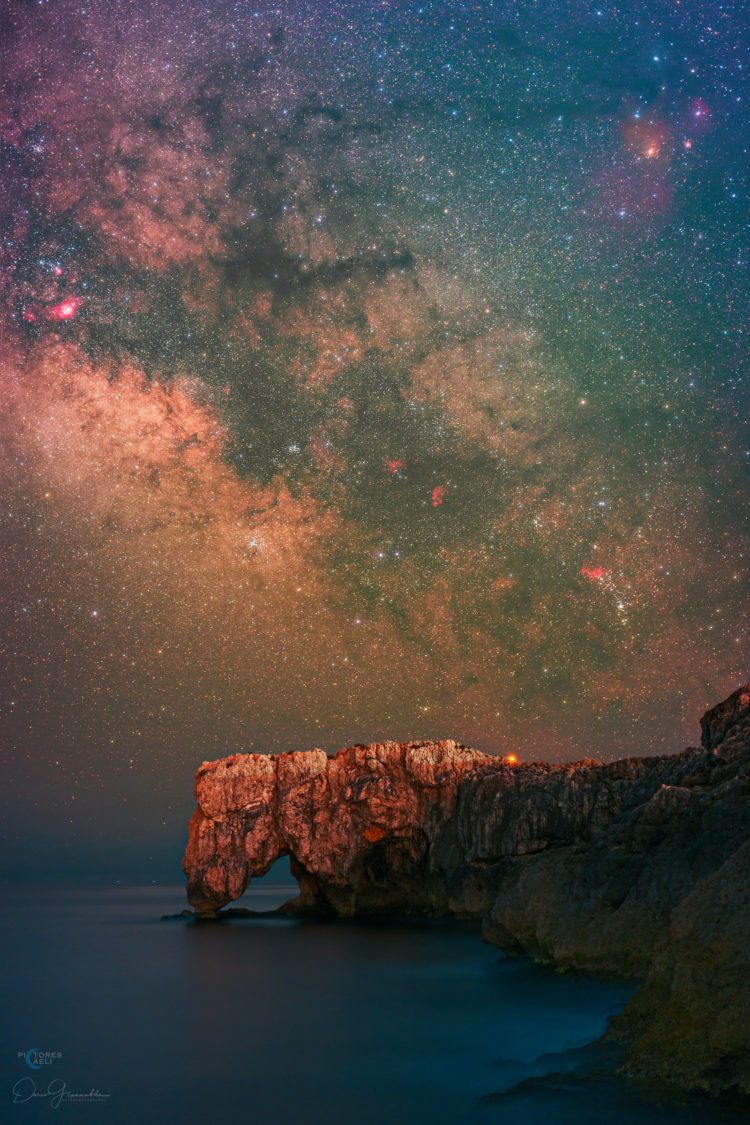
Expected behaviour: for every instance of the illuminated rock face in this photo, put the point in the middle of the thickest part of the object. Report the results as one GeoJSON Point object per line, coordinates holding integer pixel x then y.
{"type": "Point", "coordinates": [393, 827]}
{"type": "Point", "coordinates": [638, 867]}
{"type": "Point", "coordinates": [372, 830]}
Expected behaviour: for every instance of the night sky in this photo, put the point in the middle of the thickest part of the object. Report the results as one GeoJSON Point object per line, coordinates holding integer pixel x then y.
{"type": "Point", "coordinates": [368, 371]}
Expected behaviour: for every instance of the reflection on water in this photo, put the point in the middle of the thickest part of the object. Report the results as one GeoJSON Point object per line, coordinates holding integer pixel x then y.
{"type": "Point", "coordinates": [274, 1019]}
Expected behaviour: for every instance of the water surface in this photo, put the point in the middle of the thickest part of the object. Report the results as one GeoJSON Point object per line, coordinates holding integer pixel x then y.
{"type": "Point", "coordinates": [277, 1020]}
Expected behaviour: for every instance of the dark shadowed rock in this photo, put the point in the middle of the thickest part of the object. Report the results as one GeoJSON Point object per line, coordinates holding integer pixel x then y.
{"type": "Point", "coordinates": [639, 867]}
{"type": "Point", "coordinates": [690, 1023]}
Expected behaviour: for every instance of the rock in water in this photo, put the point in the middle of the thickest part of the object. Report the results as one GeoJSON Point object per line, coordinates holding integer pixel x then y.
{"type": "Point", "coordinates": [372, 830]}
{"type": "Point", "coordinates": [639, 867]}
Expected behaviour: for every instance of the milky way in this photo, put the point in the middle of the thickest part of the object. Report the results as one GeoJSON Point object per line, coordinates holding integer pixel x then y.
{"type": "Point", "coordinates": [368, 371]}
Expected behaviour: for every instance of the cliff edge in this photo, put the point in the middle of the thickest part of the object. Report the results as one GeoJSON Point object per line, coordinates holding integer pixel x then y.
{"type": "Point", "coordinates": [638, 867]}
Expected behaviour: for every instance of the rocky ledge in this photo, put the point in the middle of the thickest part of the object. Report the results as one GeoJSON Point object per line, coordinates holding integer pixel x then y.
{"type": "Point", "coordinates": [639, 867]}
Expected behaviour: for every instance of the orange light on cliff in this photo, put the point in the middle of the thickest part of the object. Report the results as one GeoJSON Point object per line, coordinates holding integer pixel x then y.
{"type": "Point", "coordinates": [511, 759]}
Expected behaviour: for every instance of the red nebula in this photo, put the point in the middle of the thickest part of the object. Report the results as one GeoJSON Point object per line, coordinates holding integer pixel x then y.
{"type": "Point", "coordinates": [64, 311]}
{"type": "Point", "coordinates": [594, 573]}
{"type": "Point", "coordinates": [438, 495]}
{"type": "Point", "coordinates": [648, 137]}
{"type": "Point", "coordinates": [699, 110]}
{"type": "Point", "coordinates": [698, 118]}
{"type": "Point", "coordinates": [394, 466]}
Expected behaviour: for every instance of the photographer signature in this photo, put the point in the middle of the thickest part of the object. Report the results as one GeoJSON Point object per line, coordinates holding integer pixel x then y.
{"type": "Point", "coordinates": [57, 1091]}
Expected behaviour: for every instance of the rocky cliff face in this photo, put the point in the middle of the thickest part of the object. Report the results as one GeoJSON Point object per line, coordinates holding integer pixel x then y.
{"type": "Point", "coordinates": [637, 867]}
{"type": "Point", "coordinates": [370, 831]}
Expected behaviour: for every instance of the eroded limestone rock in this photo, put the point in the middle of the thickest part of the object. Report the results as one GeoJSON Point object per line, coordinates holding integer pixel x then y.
{"type": "Point", "coordinates": [638, 867]}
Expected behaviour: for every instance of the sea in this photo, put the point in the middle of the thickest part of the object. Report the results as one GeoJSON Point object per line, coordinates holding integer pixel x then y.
{"type": "Point", "coordinates": [112, 1013]}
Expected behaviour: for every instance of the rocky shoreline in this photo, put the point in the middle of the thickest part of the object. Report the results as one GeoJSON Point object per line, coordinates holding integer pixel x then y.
{"type": "Point", "coordinates": [638, 867]}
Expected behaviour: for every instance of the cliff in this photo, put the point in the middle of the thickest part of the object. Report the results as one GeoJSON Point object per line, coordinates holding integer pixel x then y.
{"type": "Point", "coordinates": [638, 867]}
{"type": "Point", "coordinates": [372, 830]}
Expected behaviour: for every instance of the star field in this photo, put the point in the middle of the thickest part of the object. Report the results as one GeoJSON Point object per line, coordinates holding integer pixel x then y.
{"type": "Point", "coordinates": [367, 371]}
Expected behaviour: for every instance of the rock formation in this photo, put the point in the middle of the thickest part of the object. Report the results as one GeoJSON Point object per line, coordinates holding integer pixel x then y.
{"type": "Point", "coordinates": [372, 830]}
{"type": "Point", "coordinates": [639, 867]}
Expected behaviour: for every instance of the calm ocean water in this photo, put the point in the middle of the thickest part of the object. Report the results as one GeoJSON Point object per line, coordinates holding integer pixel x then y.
{"type": "Point", "coordinates": [280, 1021]}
